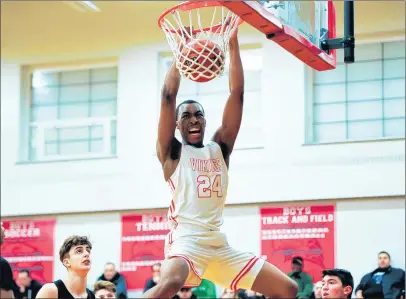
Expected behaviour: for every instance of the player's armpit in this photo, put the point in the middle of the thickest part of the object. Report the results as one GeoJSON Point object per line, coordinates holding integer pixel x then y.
{"type": "Point", "coordinates": [167, 117]}
{"type": "Point", "coordinates": [48, 290]}
{"type": "Point", "coordinates": [232, 116]}
{"type": "Point", "coordinates": [225, 150]}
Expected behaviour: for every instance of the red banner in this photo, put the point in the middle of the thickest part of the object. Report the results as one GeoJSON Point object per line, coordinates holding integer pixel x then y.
{"type": "Point", "coordinates": [142, 245]}
{"type": "Point", "coordinates": [29, 244]}
{"type": "Point", "coordinates": [306, 231]}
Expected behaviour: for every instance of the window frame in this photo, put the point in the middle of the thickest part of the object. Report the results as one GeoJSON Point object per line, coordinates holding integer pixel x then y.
{"type": "Point", "coordinates": [26, 124]}
{"type": "Point", "coordinates": [309, 101]}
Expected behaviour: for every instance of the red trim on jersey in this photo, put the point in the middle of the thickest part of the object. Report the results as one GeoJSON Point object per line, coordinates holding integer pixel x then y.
{"type": "Point", "coordinates": [172, 206]}
{"type": "Point", "coordinates": [170, 237]}
{"type": "Point", "coordinates": [171, 184]}
{"type": "Point", "coordinates": [185, 258]}
{"type": "Point", "coordinates": [243, 272]}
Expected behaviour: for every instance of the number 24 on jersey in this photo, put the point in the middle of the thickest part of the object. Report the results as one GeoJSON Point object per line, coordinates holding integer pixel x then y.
{"type": "Point", "coordinates": [207, 187]}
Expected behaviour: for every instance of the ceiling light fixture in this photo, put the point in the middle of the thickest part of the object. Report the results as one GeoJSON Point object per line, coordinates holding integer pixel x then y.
{"type": "Point", "coordinates": [83, 6]}
{"type": "Point", "coordinates": [90, 5]}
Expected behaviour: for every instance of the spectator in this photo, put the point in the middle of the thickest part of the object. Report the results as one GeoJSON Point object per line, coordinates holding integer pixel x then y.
{"type": "Point", "coordinates": [105, 289]}
{"type": "Point", "coordinates": [383, 282]}
{"type": "Point", "coordinates": [228, 293]}
{"type": "Point", "coordinates": [26, 286]}
{"type": "Point", "coordinates": [249, 294]}
{"type": "Point", "coordinates": [317, 290]}
{"type": "Point", "coordinates": [6, 275]}
{"type": "Point", "coordinates": [206, 289]}
{"type": "Point", "coordinates": [156, 275]}
{"type": "Point", "coordinates": [110, 274]}
{"type": "Point", "coordinates": [185, 293]}
{"type": "Point", "coordinates": [303, 280]}
{"type": "Point", "coordinates": [337, 283]}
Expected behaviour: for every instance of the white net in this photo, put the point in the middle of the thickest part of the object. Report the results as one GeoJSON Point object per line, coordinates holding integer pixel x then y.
{"type": "Point", "coordinates": [198, 38]}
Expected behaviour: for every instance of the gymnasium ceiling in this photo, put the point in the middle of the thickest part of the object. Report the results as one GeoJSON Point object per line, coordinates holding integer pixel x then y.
{"type": "Point", "coordinates": [52, 31]}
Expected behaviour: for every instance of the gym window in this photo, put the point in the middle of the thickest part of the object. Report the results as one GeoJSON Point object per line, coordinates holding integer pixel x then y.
{"type": "Point", "coordinates": [72, 113]}
{"type": "Point", "coordinates": [214, 94]}
{"type": "Point", "coordinates": [360, 101]}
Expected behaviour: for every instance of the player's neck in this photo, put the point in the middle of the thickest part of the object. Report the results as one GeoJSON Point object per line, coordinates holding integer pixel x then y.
{"type": "Point", "coordinates": [76, 284]}
{"type": "Point", "coordinates": [197, 145]}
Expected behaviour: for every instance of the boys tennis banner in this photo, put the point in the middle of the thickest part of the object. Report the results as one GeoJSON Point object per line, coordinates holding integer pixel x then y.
{"type": "Point", "coordinates": [142, 245]}
{"type": "Point", "coordinates": [305, 231]}
{"type": "Point", "coordinates": [29, 244]}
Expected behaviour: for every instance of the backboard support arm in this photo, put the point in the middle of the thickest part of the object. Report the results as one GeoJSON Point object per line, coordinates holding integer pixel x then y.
{"type": "Point", "coordinates": [348, 41]}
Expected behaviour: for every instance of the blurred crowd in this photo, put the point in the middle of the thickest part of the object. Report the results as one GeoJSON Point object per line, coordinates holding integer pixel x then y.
{"type": "Point", "coordinates": [383, 282]}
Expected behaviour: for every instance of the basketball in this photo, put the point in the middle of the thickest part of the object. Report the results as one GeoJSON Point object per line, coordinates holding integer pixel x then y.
{"type": "Point", "coordinates": [201, 60]}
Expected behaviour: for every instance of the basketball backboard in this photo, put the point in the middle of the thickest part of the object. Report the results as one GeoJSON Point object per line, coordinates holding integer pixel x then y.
{"type": "Point", "coordinates": [306, 29]}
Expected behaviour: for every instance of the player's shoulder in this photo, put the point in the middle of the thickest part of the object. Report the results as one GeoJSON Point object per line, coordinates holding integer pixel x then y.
{"type": "Point", "coordinates": [4, 264]}
{"type": "Point", "coordinates": [48, 290]}
{"type": "Point", "coordinates": [213, 144]}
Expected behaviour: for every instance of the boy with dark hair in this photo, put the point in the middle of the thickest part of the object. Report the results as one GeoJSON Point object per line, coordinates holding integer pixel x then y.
{"type": "Point", "coordinates": [337, 283]}
{"type": "Point", "coordinates": [75, 256]}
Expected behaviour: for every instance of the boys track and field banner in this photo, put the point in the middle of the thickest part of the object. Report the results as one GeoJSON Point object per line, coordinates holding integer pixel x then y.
{"type": "Point", "coordinates": [142, 245]}
{"type": "Point", "coordinates": [305, 231]}
{"type": "Point", "coordinates": [29, 244]}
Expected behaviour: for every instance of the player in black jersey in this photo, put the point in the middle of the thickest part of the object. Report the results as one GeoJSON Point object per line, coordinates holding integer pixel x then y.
{"type": "Point", "coordinates": [75, 256]}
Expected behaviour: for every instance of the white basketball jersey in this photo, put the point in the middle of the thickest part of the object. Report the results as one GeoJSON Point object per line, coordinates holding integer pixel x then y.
{"type": "Point", "coordinates": [199, 187]}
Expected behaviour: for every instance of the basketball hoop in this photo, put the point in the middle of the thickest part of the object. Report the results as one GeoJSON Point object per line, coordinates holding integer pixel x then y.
{"type": "Point", "coordinates": [198, 33]}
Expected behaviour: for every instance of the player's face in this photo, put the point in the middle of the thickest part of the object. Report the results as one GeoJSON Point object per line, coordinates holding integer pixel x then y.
{"type": "Point", "coordinates": [333, 288]}
{"type": "Point", "coordinates": [79, 259]}
{"type": "Point", "coordinates": [383, 260]}
{"type": "Point", "coordinates": [191, 123]}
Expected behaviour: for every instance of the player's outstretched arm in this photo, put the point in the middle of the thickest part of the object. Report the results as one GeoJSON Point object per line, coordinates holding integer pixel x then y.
{"type": "Point", "coordinates": [226, 135]}
{"type": "Point", "coordinates": [167, 121]}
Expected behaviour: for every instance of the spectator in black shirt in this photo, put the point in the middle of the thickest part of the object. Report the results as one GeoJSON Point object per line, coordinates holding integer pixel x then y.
{"type": "Point", "coordinates": [6, 275]}
{"type": "Point", "coordinates": [27, 288]}
{"type": "Point", "coordinates": [383, 282]}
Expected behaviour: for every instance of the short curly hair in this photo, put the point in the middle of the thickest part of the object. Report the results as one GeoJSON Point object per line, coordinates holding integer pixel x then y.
{"type": "Point", "coordinates": [104, 285]}
{"type": "Point", "coordinates": [70, 242]}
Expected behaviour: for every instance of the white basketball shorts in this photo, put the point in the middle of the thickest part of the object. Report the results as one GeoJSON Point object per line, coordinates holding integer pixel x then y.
{"type": "Point", "coordinates": [210, 257]}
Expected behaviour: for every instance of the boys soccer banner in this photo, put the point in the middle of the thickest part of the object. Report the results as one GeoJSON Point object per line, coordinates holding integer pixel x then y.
{"type": "Point", "coordinates": [305, 231]}
{"type": "Point", "coordinates": [29, 244]}
{"type": "Point", "coordinates": [142, 245]}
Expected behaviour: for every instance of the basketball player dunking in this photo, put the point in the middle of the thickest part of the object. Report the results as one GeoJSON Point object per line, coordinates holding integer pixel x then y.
{"type": "Point", "coordinates": [197, 175]}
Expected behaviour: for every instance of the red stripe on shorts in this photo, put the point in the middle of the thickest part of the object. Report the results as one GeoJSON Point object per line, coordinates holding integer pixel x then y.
{"type": "Point", "coordinates": [243, 272]}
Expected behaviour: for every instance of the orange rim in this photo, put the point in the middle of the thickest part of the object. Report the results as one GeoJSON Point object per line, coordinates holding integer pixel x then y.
{"type": "Point", "coordinates": [189, 5]}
